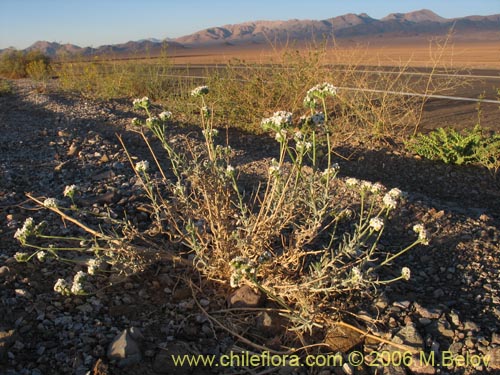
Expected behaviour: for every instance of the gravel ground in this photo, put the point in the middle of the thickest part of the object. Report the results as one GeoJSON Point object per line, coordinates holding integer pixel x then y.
{"type": "Point", "coordinates": [49, 141]}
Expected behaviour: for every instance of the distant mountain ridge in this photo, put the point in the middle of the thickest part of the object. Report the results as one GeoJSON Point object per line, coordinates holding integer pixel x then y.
{"type": "Point", "coordinates": [421, 23]}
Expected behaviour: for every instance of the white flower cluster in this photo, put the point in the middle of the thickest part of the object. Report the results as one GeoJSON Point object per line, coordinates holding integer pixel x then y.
{"type": "Point", "coordinates": [230, 171]}
{"type": "Point", "coordinates": [332, 171]}
{"type": "Point", "coordinates": [152, 121]}
{"type": "Point", "coordinates": [94, 265]}
{"type": "Point", "coordinates": [376, 223]}
{"type": "Point", "coordinates": [241, 267]}
{"type": "Point", "coordinates": [136, 121]}
{"type": "Point", "coordinates": [199, 91]}
{"type": "Point", "coordinates": [210, 133]}
{"type": "Point", "coordinates": [70, 191]}
{"type": "Point", "coordinates": [50, 203]}
{"type": "Point", "coordinates": [165, 115]}
{"type": "Point", "coordinates": [302, 146]}
{"type": "Point", "coordinates": [321, 90]}
{"type": "Point", "coordinates": [77, 287]}
{"type": "Point", "coordinates": [142, 166]}
{"type": "Point", "coordinates": [21, 257]}
{"type": "Point", "coordinates": [141, 103]}
{"type": "Point", "coordinates": [62, 287]}
{"type": "Point", "coordinates": [274, 169]}
{"type": "Point", "coordinates": [277, 121]}
{"type": "Point", "coordinates": [298, 136]}
{"type": "Point", "coordinates": [405, 273]}
{"type": "Point", "coordinates": [352, 182]}
{"type": "Point", "coordinates": [354, 278]}
{"type": "Point", "coordinates": [392, 197]}
{"type": "Point", "coordinates": [41, 256]}
{"type": "Point", "coordinates": [206, 111]}
{"type": "Point", "coordinates": [27, 230]}
{"type": "Point", "coordinates": [423, 235]}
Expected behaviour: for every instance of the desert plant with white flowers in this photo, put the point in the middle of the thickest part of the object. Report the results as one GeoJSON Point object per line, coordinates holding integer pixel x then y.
{"type": "Point", "coordinates": [294, 236]}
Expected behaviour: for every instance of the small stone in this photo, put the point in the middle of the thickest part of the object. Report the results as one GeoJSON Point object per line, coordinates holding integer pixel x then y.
{"type": "Point", "coordinates": [73, 150]}
{"type": "Point", "coordinates": [86, 308]}
{"type": "Point", "coordinates": [430, 313]}
{"type": "Point", "coordinates": [204, 302]}
{"type": "Point", "coordinates": [163, 363]}
{"type": "Point", "coordinates": [456, 348]}
{"type": "Point", "coordinates": [181, 294]}
{"type": "Point", "coordinates": [444, 329]}
{"type": "Point", "coordinates": [471, 326]}
{"type": "Point", "coordinates": [124, 348]}
{"type": "Point", "coordinates": [494, 357]}
{"type": "Point", "coordinates": [245, 297]}
{"type": "Point", "coordinates": [270, 323]}
{"type": "Point", "coordinates": [424, 321]}
{"type": "Point", "coordinates": [402, 304]}
{"type": "Point", "coordinates": [495, 338]}
{"type": "Point", "coordinates": [5, 272]}
{"type": "Point", "coordinates": [455, 319]}
{"type": "Point", "coordinates": [438, 293]}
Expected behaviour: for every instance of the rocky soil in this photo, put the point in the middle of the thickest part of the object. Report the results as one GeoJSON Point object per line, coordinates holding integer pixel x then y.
{"type": "Point", "coordinates": [133, 324]}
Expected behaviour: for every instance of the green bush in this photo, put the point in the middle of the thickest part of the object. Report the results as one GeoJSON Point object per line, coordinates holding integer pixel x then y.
{"type": "Point", "coordinates": [453, 147]}
{"type": "Point", "coordinates": [19, 64]}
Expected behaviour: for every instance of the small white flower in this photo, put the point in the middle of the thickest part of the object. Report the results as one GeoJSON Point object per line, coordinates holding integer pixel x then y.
{"type": "Point", "coordinates": [405, 273]}
{"type": "Point", "coordinates": [62, 287]}
{"type": "Point", "coordinates": [298, 136]}
{"type": "Point", "coordinates": [50, 202]}
{"type": "Point", "coordinates": [27, 230]}
{"type": "Point", "coordinates": [21, 257]}
{"type": "Point", "coordinates": [277, 121]}
{"type": "Point", "coordinates": [376, 224]}
{"type": "Point", "coordinates": [70, 190]}
{"type": "Point", "coordinates": [319, 91]}
{"type": "Point", "coordinates": [235, 279]}
{"type": "Point", "coordinates": [302, 146]}
{"type": "Point", "coordinates": [151, 121]}
{"type": "Point", "coordinates": [93, 266]}
{"type": "Point", "coordinates": [332, 171]}
{"type": "Point", "coordinates": [396, 193]}
{"type": "Point", "coordinates": [165, 115]}
{"type": "Point", "coordinates": [136, 122]}
{"type": "Point", "coordinates": [377, 188]}
{"type": "Point", "coordinates": [141, 103]}
{"type": "Point", "coordinates": [78, 280]}
{"type": "Point", "coordinates": [210, 133]}
{"type": "Point", "coordinates": [142, 166]}
{"type": "Point", "coordinates": [352, 182]}
{"type": "Point", "coordinates": [423, 235]}
{"type": "Point", "coordinates": [280, 136]}
{"type": "Point", "coordinates": [366, 185]}
{"type": "Point", "coordinates": [389, 201]}
{"type": "Point", "coordinates": [230, 170]}
{"type": "Point", "coordinates": [274, 169]}
{"type": "Point", "coordinates": [199, 91]}
{"type": "Point", "coordinates": [206, 111]}
{"type": "Point", "coordinates": [41, 256]}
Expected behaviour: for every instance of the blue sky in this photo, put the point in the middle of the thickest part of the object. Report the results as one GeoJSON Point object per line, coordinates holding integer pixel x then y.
{"type": "Point", "coordinates": [97, 22]}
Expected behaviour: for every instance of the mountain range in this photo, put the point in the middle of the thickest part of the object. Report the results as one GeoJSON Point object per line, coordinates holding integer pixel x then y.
{"type": "Point", "coordinates": [422, 24]}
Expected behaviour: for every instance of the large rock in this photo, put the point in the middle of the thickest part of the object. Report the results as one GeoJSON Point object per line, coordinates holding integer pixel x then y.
{"type": "Point", "coordinates": [124, 349]}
